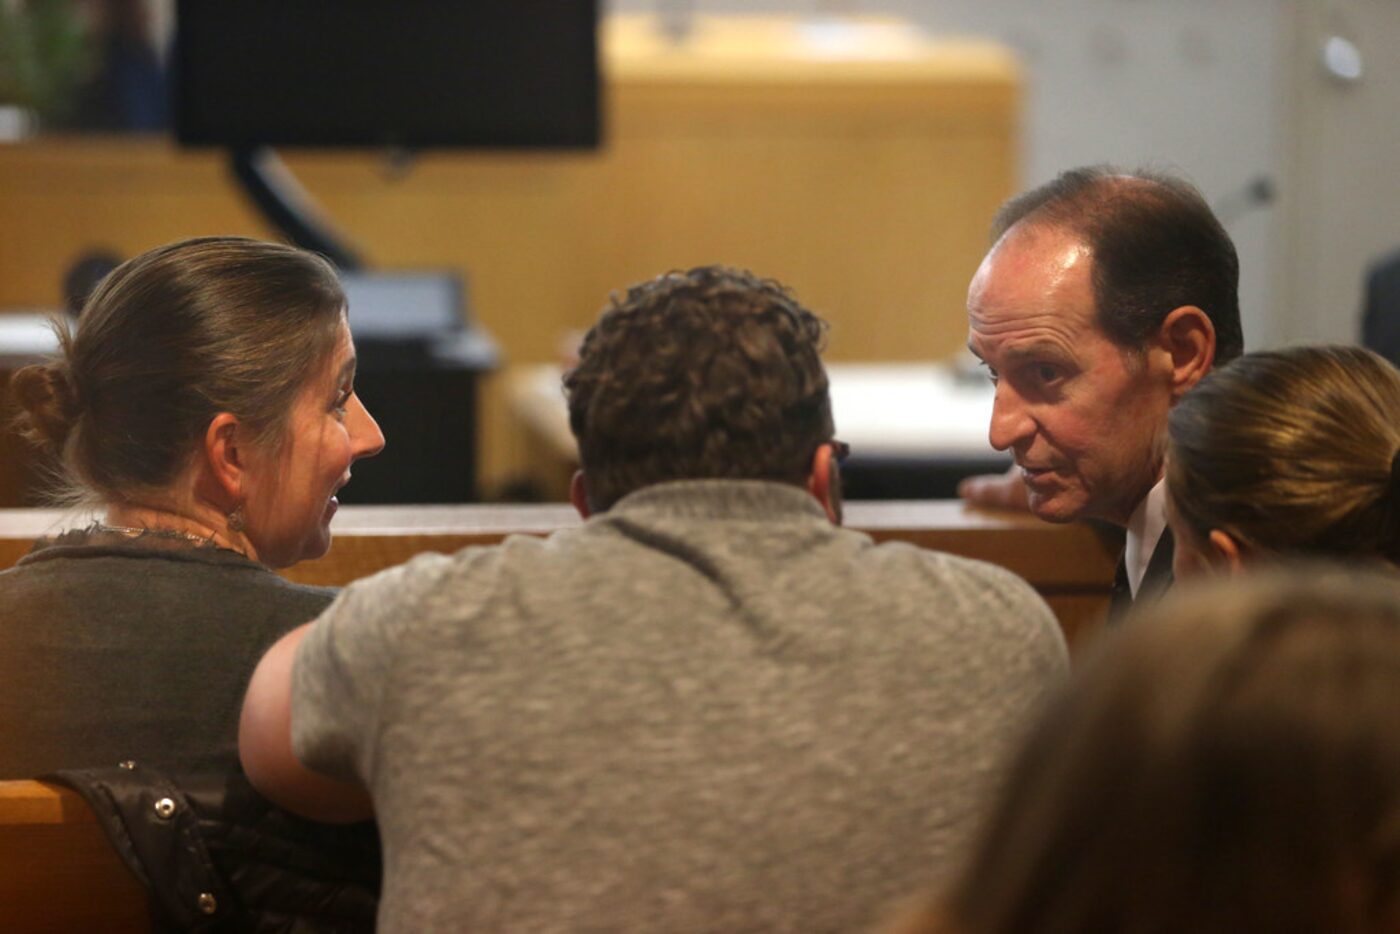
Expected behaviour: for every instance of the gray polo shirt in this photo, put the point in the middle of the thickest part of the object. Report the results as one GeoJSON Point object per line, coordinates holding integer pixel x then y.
{"type": "Point", "coordinates": [705, 710]}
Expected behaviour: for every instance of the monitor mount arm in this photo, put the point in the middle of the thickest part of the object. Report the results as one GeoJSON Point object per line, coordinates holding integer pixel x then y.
{"type": "Point", "coordinates": [284, 202]}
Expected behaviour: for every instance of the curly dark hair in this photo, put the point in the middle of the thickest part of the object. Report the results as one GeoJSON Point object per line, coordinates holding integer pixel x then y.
{"type": "Point", "coordinates": [707, 374]}
{"type": "Point", "coordinates": [1156, 244]}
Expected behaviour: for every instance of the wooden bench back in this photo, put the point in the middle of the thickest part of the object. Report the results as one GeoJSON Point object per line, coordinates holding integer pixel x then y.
{"type": "Point", "coordinates": [1070, 565]}
{"type": "Point", "coordinates": [57, 871]}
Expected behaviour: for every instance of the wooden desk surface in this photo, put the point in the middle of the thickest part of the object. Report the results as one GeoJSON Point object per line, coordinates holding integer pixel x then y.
{"type": "Point", "coordinates": [924, 409]}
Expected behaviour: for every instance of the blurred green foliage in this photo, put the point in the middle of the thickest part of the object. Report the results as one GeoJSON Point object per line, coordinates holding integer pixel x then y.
{"type": "Point", "coordinates": [45, 55]}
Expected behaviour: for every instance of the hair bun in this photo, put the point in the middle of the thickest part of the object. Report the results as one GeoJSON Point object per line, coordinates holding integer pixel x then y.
{"type": "Point", "coordinates": [48, 404]}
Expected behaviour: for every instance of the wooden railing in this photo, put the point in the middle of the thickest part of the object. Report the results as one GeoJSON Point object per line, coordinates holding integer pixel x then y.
{"type": "Point", "coordinates": [57, 872]}
{"type": "Point", "coordinates": [1070, 565]}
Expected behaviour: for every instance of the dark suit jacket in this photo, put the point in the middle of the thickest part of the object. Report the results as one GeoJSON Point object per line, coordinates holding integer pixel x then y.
{"type": "Point", "coordinates": [1380, 320]}
{"type": "Point", "coordinates": [1157, 579]}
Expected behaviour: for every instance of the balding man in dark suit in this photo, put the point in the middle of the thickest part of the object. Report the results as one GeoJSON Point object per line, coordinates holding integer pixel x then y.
{"type": "Point", "coordinates": [1104, 298]}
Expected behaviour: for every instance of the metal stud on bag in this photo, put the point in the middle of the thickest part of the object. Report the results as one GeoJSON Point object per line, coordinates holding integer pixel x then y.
{"type": "Point", "coordinates": [165, 808]}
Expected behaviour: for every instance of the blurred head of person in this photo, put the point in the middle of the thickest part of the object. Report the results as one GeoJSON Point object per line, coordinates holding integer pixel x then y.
{"type": "Point", "coordinates": [702, 375]}
{"type": "Point", "coordinates": [207, 391]}
{"type": "Point", "coordinates": [1290, 452]}
{"type": "Point", "coordinates": [1229, 764]}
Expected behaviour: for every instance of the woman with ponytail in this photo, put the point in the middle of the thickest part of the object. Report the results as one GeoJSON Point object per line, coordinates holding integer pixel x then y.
{"type": "Point", "coordinates": [1230, 762]}
{"type": "Point", "coordinates": [1289, 452]}
{"type": "Point", "coordinates": [204, 410]}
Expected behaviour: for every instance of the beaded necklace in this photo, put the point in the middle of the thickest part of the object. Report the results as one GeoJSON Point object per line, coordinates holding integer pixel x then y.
{"type": "Point", "coordinates": [173, 534]}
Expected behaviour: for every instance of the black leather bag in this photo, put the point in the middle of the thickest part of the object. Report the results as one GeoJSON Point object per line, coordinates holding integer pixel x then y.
{"type": "Point", "coordinates": [218, 857]}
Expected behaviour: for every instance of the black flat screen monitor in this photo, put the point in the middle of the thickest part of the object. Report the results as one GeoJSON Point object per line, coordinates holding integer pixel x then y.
{"type": "Point", "coordinates": [410, 73]}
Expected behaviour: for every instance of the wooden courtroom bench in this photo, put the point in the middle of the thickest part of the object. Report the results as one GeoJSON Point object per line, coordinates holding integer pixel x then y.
{"type": "Point", "coordinates": [58, 874]}
{"type": "Point", "coordinates": [1070, 565]}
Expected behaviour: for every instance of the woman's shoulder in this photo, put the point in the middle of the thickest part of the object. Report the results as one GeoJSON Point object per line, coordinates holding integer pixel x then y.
{"type": "Point", "coordinates": [159, 569]}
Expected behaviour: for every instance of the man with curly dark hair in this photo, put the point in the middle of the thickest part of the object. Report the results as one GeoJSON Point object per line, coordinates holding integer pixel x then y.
{"type": "Point", "coordinates": [708, 708]}
{"type": "Point", "coordinates": [709, 374]}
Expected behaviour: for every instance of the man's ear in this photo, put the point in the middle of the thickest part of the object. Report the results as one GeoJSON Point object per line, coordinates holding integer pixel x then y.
{"type": "Point", "coordinates": [226, 458]}
{"type": "Point", "coordinates": [1228, 553]}
{"type": "Point", "coordinates": [1188, 340]}
{"type": "Point", "coordinates": [824, 482]}
{"type": "Point", "coordinates": [578, 495]}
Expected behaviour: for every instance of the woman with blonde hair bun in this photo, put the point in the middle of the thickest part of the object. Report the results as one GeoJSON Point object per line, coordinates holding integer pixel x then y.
{"type": "Point", "coordinates": [1289, 452]}
{"type": "Point", "coordinates": [205, 407]}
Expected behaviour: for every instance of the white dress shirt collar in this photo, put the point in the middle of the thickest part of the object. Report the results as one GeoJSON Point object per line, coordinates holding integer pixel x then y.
{"type": "Point", "coordinates": [1144, 531]}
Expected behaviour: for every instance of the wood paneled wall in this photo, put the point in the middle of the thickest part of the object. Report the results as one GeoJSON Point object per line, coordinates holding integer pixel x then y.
{"type": "Point", "coordinates": [865, 180]}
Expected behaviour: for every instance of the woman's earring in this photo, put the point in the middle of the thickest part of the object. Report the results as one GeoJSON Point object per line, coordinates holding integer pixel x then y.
{"type": "Point", "coordinates": [236, 519]}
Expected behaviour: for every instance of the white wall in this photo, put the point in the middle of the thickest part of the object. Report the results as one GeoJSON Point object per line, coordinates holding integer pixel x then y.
{"type": "Point", "coordinates": [1343, 155]}
{"type": "Point", "coordinates": [1196, 86]}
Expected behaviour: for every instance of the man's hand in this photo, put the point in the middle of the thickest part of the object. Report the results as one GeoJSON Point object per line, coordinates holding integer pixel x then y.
{"type": "Point", "coordinates": [996, 491]}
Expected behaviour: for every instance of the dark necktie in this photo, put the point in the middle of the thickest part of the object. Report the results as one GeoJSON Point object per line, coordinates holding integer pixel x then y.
{"type": "Point", "coordinates": [1121, 597]}
{"type": "Point", "coordinates": [1157, 578]}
